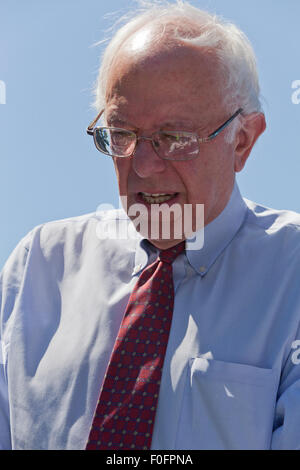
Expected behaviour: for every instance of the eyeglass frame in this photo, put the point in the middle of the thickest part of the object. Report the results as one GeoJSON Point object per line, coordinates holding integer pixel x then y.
{"type": "Point", "coordinates": [91, 131]}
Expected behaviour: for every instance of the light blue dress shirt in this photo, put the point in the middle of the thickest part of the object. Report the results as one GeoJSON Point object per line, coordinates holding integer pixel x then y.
{"type": "Point", "coordinates": [231, 376]}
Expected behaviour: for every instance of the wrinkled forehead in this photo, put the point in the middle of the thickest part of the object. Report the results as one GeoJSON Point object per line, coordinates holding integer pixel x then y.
{"type": "Point", "coordinates": [151, 52]}
{"type": "Point", "coordinates": [154, 74]}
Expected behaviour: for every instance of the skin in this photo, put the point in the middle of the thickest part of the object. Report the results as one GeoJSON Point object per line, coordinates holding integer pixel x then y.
{"type": "Point", "coordinates": [152, 87]}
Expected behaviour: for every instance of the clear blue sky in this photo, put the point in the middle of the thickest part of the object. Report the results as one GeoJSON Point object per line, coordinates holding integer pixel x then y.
{"type": "Point", "coordinates": [49, 168]}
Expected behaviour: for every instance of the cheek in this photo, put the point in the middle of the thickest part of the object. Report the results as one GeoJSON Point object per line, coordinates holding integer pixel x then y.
{"type": "Point", "coordinates": [191, 173]}
{"type": "Point", "coordinates": [215, 162]}
{"type": "Point", "coordinates": [122, 168]}
{"type": "Point", "coordinates": [224, 157]}
{"type": "Point", "coordinates": [200, 176]}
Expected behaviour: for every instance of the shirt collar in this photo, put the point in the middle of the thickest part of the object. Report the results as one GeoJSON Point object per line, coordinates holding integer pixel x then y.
{"type": "Point", "coordinates": [217, 235]}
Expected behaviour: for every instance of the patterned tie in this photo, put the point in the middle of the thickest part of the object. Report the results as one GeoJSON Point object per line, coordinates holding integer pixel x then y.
{"type": "Point", "coordinates": [125, 413]}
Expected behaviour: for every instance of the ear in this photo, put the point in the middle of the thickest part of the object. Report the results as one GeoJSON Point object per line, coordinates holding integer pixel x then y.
{"type": "Point", "coordinates": [253, 126]}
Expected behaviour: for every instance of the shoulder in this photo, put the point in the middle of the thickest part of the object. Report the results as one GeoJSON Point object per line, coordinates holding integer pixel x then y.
{"type": "Point", "coordinates": [270, 219]}
{"type": "Point", "coordinates": [77, 235]}
{"type": "Point", "coordinates": [276, 229]}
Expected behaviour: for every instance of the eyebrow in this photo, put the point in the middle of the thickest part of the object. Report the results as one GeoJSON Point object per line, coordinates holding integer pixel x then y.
{"type": "Point", "coordinates": [123, 124]}
{"type": "Point", "coordinates": [114, 116]}
{"type": "Point", "coordinates": [172, 125]}
{"type": "Point", "coordinates": [121, 121]}
{"type": "Point", "coordinates": [177, 124]}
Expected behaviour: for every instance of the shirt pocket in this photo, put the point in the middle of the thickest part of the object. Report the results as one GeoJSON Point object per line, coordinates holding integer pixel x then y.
{"type": "Point", "coordinates": [226, 406]}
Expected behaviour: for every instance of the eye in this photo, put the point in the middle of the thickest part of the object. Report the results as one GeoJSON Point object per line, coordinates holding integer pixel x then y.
{"type": "Point", "coordinates": [171, 136]}
{"type": "Point", "coordinates": [121, 137]}
{"type": "Point", "coordinates": [175, 140]}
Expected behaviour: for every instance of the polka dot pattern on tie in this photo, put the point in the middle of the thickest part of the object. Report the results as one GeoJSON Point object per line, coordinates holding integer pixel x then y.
{"type": "Point", "coordinates": [125, 412]}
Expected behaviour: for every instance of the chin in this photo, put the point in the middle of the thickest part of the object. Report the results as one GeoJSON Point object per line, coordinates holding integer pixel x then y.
{"type": "Point", "coordinates": [163, 244]}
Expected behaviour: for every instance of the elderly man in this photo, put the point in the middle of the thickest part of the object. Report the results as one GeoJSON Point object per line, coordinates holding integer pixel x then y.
{"type": "Point", "coordinates": [155, 342]}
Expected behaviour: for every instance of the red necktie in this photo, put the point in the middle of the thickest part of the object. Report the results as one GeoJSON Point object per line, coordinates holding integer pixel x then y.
{"type": "Point", "coordinates": [125, 413]}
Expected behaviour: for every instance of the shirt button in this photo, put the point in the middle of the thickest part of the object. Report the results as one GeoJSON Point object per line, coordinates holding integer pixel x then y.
{"type": "Point", "coordinates": [202, 269]}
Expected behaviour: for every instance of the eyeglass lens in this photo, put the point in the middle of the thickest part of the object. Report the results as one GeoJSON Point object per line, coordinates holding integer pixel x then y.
{"type": "Point", "coordinates": [174, 145]}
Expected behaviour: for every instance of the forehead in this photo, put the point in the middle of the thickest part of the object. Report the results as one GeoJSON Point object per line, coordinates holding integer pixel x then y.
{"type": "Point", "coordinates": [175, 81]}
{"type": "Point", "coordinates": [178, 66]}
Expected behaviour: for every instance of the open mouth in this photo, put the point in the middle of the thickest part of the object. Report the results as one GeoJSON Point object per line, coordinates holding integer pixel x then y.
{"type": "Point", "coordinates": [156, 198]}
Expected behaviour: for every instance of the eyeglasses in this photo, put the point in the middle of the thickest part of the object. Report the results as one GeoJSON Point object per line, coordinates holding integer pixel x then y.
{"type": "Point", "coordinates": [168, 145]}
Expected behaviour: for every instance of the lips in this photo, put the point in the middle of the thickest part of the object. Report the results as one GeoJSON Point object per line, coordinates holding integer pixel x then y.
{"type": "Point", "coordinates": [156, 198]}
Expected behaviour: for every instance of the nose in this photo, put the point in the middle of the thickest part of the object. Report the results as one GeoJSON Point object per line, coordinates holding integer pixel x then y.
{"type": "Point", "coordinates": [145, 161]}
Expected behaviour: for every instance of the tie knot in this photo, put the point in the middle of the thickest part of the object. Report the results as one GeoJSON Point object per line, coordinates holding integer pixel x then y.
{"type": "Point", "coordinates": [169, 255]}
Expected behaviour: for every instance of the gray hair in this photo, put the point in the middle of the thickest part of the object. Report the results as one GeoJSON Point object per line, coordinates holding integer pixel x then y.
{"type": "Point", "coordinates": [236, 58]}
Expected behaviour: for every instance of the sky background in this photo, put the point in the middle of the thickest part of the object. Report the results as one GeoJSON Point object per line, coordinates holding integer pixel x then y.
{"type": "Point", "coordinates": [49, 168]}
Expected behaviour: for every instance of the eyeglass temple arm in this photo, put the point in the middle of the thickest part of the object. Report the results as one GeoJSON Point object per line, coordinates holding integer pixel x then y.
{"type": "Point", "coordinates": [90, 128]}
{"type": "Point", "coordinates": [217, 131]}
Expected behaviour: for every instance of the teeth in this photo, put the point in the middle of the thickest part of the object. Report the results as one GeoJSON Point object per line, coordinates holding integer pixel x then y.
{"type": "Point", "coordinates": [156, 198]}
{"type": "Point", "coordinates": [156, 194]}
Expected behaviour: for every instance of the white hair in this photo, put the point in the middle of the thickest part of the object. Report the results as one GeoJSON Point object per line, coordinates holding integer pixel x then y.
{"type": "Point", "coordinates": [188, 24]}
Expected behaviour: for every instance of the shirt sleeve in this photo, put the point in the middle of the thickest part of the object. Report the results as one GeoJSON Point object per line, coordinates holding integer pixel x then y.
{"type": "Point", "coordinates": [11, 279]}
{"type": "Point", "coordinates": [286, 435]}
